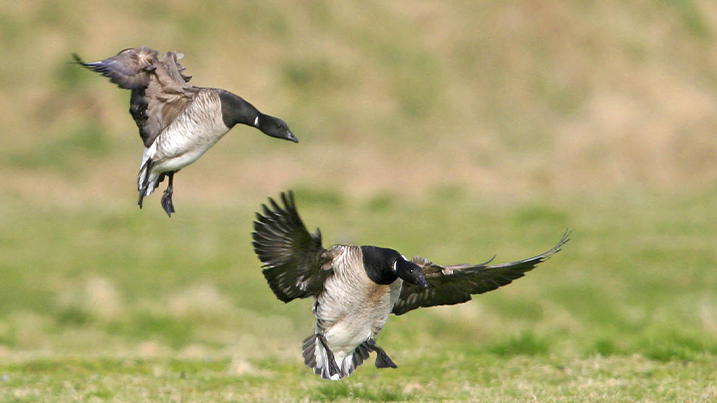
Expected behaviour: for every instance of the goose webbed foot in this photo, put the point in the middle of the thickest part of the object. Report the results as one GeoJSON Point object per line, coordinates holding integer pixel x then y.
{"type": "Point", "coordinates": [167, 196]}
{"type": "Point", "coordinates": [382, 359]}
{"type": "Point", "coordinates": [167, 202]}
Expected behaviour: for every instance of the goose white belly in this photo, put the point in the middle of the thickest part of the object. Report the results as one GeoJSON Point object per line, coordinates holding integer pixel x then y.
{"type": "Point", "coordinates": [344, 335]}
{"type": "Point", "coordinates": [187, 138]}
{"type": "Point", "coordinates": [348, 316]}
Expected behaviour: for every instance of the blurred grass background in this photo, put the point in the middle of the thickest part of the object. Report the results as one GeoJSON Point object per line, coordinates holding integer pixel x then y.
{"type": "Point", "coordinates": [454, 130]}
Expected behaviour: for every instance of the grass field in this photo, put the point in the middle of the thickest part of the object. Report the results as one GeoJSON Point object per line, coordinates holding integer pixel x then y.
{"type": "Point", "coordinates": [116, 305]}
{"type": "Point", "coordinates": [454, 130]}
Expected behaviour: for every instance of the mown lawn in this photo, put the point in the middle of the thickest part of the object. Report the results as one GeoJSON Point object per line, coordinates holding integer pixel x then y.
{"type": "Point", "coordinates": [452, 376]}
{"type": "Point", "coordinates": [115, 304]}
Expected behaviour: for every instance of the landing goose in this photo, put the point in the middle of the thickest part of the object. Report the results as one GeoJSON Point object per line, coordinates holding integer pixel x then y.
{"type": "Point", "coordinates": [355, 288]}
{"type": "Point", "coordinates": [177, 121]}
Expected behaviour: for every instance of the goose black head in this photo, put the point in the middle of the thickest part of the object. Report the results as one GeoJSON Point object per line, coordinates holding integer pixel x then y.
{"type": "Point", "coordinates": [410, 272]}
{"type": "Point", "coordinates": [274, 127]}
{"type": "Point", "coordinates": [384, 266]}
{"type": "Point", "coordinates": [236, 110]}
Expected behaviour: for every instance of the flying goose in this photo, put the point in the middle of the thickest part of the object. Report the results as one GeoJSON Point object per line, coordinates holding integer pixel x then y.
{"type": "Point", "coordinates": [177, 121]}
{"type": "Point", "coordinates": [355, 288]}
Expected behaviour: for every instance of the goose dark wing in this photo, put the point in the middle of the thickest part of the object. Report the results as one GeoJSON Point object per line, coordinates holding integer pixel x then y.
{"type": "Point", "coordinates": [159, 88]}
{"type": "Point", "coordinates": [292, 258]}
{"type": "Point", "coordinates": [130, 69]}
{"type": "Point", "coordinates": [167, 94]}
{"type": "Point", "coordinates": [448, 285]}
{"type": "Point", "coordinates": [170, 62]}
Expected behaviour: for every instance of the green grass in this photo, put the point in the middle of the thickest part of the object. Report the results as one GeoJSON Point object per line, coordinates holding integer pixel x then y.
{"type": "Point", "coordinates": [117, 304]}
{"type": "Point", "coordinates": [463, 378]}
{"type": "Point", "coordinates": [453, 130]}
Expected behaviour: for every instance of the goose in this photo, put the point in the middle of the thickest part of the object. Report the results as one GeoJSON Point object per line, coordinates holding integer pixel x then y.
{"type": "Point", "coordinates": [356, 288]}
{"type": "Point", "coordinates": [177, 121]}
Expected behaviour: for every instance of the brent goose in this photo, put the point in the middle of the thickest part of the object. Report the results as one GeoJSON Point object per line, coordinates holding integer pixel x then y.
{"type": "Point", "coordinates": [355, 288]}
{"type": "Point", "coordinates": [177, 121]}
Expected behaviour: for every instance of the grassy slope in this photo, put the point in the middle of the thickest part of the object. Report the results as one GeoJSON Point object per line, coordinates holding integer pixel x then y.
{"type": "Point", "coordinates": [455, 131]}
{"type": "Point", "coordinates": [512, 96]}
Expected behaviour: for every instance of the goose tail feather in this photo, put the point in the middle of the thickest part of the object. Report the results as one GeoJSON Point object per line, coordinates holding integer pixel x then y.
{"type": "Point", "coordinates": [147, 180]}
{"type": "Point", "coordinates": [317, 358]}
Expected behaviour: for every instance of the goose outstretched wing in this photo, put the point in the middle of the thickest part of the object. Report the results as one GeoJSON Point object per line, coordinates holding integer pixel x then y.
{"type": "Point", "coordinates": [294, 262]}
{"type": "Point", "coordinates": [130, 69]}
{"type": "Point", "coordinates": [448, 285]}
{"type": "Point", "coordinates": [159, 87]}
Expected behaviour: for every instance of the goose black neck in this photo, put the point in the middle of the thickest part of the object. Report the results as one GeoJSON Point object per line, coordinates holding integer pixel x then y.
{"type": "Point", "coordinates": [236, 110]}
{"type": "Point", "coordinates": [378, 264]}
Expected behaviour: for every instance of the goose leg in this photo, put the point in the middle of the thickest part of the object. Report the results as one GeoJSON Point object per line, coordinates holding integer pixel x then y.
{"type": "Point", "coordinates": [333, 368]}
{"type": "Point", "coordinates": [382, 359]}
{"type": "Point", "coordinates": [167, 196]}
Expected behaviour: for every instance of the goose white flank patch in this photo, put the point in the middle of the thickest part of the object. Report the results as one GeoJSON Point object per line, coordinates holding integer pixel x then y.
{"type": "Point", "coordinates": [356, 288]}
{"type": "Point", "coordinates": [177, 121]}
